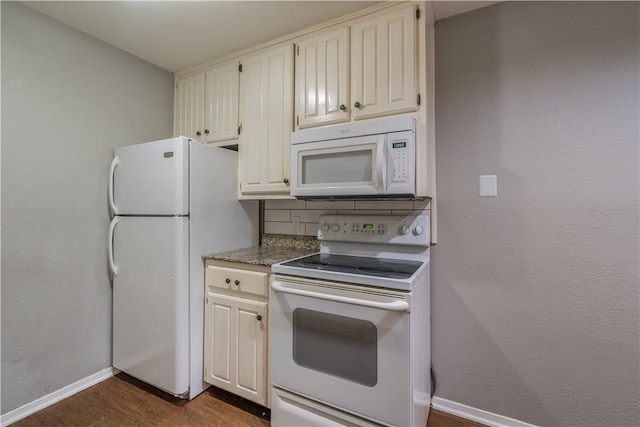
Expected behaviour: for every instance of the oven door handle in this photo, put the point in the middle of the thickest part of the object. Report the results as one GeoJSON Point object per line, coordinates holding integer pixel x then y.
{"type": "Point", "coordinates": [390, 306]}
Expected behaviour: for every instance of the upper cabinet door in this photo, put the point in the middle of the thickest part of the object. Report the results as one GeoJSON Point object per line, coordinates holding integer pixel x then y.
{"type": "Point", "coordinates": [266, 113]}
{"type": "Point", "coordinates": [189, 108]}
{"type": "Point", "coordinates": [221, 103]}
{"type": "Point", "coordinates": [322, 79]}
{"type": "Point", "coordinates": [383, 63]}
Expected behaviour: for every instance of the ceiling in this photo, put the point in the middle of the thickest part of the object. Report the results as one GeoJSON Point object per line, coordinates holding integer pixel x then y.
{"type": "Point", "coordinates": [177, 35]}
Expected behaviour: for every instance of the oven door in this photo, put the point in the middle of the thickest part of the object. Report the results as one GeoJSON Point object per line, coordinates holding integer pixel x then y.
{"type": "Point", "coordinates": [344, 346]}
{"type": "Point", "coordinates": [341, 167]}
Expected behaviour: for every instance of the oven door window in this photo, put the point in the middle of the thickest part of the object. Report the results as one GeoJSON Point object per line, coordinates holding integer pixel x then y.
{"type": "Point", "coordinates": [336, 345]}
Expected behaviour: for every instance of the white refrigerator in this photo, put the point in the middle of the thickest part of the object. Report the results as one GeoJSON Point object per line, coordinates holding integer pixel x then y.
{"type": "Point", "coordinates": [173, 201]}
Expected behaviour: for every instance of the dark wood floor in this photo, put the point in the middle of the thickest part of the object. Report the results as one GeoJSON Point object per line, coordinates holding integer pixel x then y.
{"type": "Point", "coordinates": [125, 401]}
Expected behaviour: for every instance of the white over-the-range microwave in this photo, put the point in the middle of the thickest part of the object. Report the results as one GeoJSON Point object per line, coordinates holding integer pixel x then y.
{"type": "Point", "coordinates": [374, 159]}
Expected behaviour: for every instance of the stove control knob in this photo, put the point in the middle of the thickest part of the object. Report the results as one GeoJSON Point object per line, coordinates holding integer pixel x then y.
{"type": "Point", "coordinates": [335, 227]}
{"type": "Point", "coordinates": [404, 229]}
{"type": "Point", "coordinates": [324, 227]}
{"type": "Point", "coordinates": [418, 230]}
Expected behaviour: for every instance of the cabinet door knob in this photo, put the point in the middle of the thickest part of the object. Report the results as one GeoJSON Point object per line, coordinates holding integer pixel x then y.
{"type": "Point", "coordinates": [258, 318]}
{"type": "Point", "coordinates": [228, 281]}
{"type": "Point", "coordinates": [286, 180]}
{"type": "Point", "coordinates": [343, 107]}
{"type": "Point", "coordinates": [357, 105]}
{"type": "Point", "coordinates": [206, 131]}
{"type": "Point", "coordinates": [198, 133]}
{"type": "Point", "coordinates": [237, 282]}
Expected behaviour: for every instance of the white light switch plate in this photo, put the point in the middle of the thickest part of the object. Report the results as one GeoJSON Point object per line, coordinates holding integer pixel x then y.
{"type": "Point", "coordinates": [488, 186]}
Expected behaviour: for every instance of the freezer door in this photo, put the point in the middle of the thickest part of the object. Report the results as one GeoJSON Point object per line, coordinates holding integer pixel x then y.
{"type": "Point", "coordinates": [151, 300]}
{"type": "Point", "coordinates": [151, 178]}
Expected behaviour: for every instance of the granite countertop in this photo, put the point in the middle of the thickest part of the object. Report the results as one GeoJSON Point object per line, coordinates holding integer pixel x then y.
{"type": "Point", "coordinates": [275, 248]}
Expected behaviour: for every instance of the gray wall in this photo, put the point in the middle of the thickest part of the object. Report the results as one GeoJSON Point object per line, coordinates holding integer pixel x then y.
{"type": "Point", "coordinates": [67, 101]}
{"type": "Point", "coordinates": [536, 292]}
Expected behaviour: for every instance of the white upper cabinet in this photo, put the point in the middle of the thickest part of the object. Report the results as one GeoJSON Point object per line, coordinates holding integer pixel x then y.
{"type": "Point", "coordinates": [189, 107]}
{"type": "Point", "coordinates": [378, 62]}
{"type": "Point", "coordinates": [266, 122]}
{"type": "Point", "coordinates": [207, 104]}
{"type": "Point", "coordinates": [383, 64]}
{"type": "Point", "coordinates": [366, 70]}
{"type": "Point", "coordinates": [221, 103]}
{"type": "Point", "coordinates": [322, 79]}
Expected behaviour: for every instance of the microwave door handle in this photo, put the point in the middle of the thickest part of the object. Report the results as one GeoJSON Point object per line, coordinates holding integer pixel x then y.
{"type": "Point", "coordinates": [381, 164]}
{"type": "Point", "coordinates": [389, 306]}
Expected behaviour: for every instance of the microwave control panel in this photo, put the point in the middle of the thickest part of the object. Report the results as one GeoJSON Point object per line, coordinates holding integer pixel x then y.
{"type": "Point", "coordinates": [399, 160]}
{"type": "Point", "coordinates": [401, 163]}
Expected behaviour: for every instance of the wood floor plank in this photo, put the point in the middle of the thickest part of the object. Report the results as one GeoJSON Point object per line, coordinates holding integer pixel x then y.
{"type": "Point", "coordinates": [442, 419]}
{"type": "Point", "coordinates": [125, 401]}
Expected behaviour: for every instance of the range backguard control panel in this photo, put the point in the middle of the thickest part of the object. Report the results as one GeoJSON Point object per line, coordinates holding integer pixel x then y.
{"type": "Point", "coordinates": [394, 229]}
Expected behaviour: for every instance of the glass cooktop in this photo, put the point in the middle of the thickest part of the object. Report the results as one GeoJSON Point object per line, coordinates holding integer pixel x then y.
{"type": "Point", "coordinates": [364, 266]}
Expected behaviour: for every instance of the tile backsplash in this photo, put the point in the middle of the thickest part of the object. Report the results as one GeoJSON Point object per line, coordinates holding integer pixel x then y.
{"type": "Point", "coordinates": [301, 217]}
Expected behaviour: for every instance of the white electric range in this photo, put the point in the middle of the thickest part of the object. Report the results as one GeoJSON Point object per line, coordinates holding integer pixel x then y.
{"type": "Point", "coordinates": [350, 325]}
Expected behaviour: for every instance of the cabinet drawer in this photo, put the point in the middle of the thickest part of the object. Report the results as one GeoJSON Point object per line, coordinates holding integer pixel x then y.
{"type": "Point", "coordinates": [252, 282]}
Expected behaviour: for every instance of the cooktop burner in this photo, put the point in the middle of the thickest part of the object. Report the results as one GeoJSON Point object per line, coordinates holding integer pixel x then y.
{"type": "Point", "coordinates": [365, 266]}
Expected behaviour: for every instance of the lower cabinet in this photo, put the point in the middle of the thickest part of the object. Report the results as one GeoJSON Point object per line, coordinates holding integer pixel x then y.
{"type": "Point", "coordinates": [236, 331]}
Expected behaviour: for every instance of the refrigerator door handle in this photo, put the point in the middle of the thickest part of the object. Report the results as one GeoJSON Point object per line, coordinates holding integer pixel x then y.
{"type": "Point", "coordinates": [112, 264]}
{"type": "Point", "coordinates": [112, 172]}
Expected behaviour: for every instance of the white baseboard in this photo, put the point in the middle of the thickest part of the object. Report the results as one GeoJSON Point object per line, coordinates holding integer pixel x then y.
{"type": "Point", "coordinates": [51, 398]}
{"type": "Point", "coordinates": [474, 414]}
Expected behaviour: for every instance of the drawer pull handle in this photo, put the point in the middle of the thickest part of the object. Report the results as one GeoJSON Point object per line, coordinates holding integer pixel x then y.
{"type": "Point", "coordinates": [258, 318]}
{"type": "Point", "coordinates": [237, 282]}
{"type": "Point", "coordinates": [228, 281]}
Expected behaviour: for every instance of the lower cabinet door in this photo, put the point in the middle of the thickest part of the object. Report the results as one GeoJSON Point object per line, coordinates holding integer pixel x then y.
{"type": "Point", "coordinates": [235, 346]}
